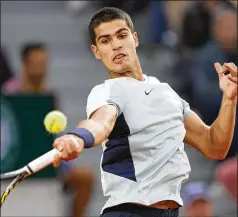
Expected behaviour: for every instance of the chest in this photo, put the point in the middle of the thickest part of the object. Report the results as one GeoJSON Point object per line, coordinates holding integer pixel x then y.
{"type": "Point", "coordinates": [150, 104]}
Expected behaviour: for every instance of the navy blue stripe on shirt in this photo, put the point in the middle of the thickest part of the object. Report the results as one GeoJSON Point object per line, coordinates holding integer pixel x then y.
{"type": "Point", "coordinates": [117, 157]}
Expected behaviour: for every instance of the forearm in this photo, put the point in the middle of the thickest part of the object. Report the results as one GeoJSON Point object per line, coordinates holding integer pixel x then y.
{"type": "Point", "coordinates": [100, 130]}
{"type": "Point", "coordinates": [89, 133]}
{"type": "Point", "coordinates": [222, 130]}
{"type": "Point", "coordinates": [100, 123]}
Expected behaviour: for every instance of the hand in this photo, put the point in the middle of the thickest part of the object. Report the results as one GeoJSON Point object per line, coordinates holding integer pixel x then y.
{"type": "Point", "coordinates": [228, 83]}
{"type": "Point", "coordinates": [69, 146]}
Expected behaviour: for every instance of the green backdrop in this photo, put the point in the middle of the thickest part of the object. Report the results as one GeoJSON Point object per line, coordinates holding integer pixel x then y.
{"type": "Point", "coordinates": [23, 136]}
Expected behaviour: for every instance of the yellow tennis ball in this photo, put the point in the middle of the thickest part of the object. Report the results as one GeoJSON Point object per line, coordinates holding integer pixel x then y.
{"type": "Point", "coordinates": [55, 122]}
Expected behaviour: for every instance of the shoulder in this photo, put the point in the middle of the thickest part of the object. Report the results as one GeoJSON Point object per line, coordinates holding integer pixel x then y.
{"type": "Point", "coordinates": [108, 83]}
{"type": "Point", "coordinates": [96, 93]}
{"type": "Point", "coordinates": [98, 88]}
{"type": "Point", "coordinates": [116, 82]}
{"type": "Point", "coordinates": [109, 87]}
{"type": "Point", "coordinates": [151, 79]}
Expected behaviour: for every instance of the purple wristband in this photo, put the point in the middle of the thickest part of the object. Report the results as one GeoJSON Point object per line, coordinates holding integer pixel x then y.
{"type": "Point", "coordinates": [85, 135]}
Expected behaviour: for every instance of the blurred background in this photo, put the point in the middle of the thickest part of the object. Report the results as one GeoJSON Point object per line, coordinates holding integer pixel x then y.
{"type": "Point", "coordinates": [47, 64]}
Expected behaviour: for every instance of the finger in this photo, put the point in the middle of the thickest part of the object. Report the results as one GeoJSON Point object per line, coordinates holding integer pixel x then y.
{"type": "Point", "coordinates": [220, 70]}
{"type": "Point", "coordinates": [69, 147]}
{"type": "Point", "coordinates": [76, 145]}
{"type": "Point", "coordinates": [218, 67]}
{"type": "Point", "coordinates": [232, 65]}
{"type": "Point", "coordinates": [232, 68]}
{"type": "Point", "coordinates": [58, 145]}
{"type": "Point", "coordinates": [64, 153]}
{"type": "Point", "coordinates": [233, 79]}
{"type": "Point", "coordinates": [57, 160]}
{"type": "Point", "coordinates": [72, 148]}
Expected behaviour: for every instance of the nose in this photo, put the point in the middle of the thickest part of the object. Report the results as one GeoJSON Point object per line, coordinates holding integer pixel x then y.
{"type": "Point", "coordinates": [116, 45]}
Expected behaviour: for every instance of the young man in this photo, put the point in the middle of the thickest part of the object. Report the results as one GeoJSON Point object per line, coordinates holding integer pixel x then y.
{"type": "Point", "coordinates": [142, 125]}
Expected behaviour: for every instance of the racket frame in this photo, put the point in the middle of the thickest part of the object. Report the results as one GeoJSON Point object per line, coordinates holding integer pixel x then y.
{"type": "Point", "coordinates": [33, 167]}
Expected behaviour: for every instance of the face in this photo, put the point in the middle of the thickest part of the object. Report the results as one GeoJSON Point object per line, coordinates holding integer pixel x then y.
{"type": "Point", "coordinates": [36, 63]}
{"type": "Point", "coordinates": [199, 208]}
{"type": "Point", "coordinates": [225, 30]}
{"type": "Point", "coordinates": [116, 46]}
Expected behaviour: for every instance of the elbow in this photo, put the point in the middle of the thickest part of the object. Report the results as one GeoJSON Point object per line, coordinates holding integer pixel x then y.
{"type": "Point", "coordinates": [221, 157]}
{"type": "Point", "coordinates": [217, 154]}
{"type": "Point", "coordinates": [218, 147]}
{"type": "Point", "coordinates": [216, 157]}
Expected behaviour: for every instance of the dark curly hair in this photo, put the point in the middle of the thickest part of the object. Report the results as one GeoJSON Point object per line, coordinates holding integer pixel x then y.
{"type": "Point", "coordinates": [108, 14]}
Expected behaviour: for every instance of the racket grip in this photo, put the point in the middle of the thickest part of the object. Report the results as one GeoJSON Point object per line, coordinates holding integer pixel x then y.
{"type": "Point", "coordinates": [42, 161]}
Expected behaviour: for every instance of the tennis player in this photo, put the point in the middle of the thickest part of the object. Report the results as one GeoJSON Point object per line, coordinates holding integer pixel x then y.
{"type": "Point", "coordinates": [142, 125]}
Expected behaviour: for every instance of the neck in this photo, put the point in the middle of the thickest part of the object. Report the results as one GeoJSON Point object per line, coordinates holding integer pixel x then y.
{"type": "Point", "coordinates": [135, 72]}
{"type": "Point", "coordinates": [32, 84]}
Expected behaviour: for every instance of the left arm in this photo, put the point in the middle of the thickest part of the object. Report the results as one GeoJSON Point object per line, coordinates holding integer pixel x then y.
{"type": "Point", "coordinates": [214, 141]}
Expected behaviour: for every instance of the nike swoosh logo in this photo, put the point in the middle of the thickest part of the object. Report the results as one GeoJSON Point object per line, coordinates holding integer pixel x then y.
{"type": "Point", "coordinates": [147, 93]}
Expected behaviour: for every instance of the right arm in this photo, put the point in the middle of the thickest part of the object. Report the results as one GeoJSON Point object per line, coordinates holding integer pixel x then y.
{"type": "Point", "coordinates": [104, 104]}
{"type": "Point", "coordinates": [100, 124]}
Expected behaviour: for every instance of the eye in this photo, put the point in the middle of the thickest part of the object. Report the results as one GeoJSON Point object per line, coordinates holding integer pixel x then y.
{"type": "Point", "coordinates": [105, 41]}
{"type": "Point", "coordinates": [123, 36]}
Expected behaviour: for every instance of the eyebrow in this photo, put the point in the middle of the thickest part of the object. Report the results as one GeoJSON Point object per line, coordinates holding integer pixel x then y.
{"type": "Point", "coordinates": [117, 32]}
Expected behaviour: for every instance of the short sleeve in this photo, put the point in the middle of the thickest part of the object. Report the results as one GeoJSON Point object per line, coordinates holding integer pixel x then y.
{"type": "Point", "coordinates": [105, 94]}
{"type": "Point", "coordinates": [185, 104]}
{"type": "Point", "coordinates": [186, 108]}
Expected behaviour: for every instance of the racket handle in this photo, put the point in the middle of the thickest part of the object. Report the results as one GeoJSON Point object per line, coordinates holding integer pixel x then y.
{"type": "Point", "coordinates": [42, 161]}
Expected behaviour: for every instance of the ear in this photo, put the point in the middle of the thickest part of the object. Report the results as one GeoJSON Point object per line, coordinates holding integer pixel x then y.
{"type": "Point", "coordinates": [135, 36]}
{"type": "Point", "coordinates": [95, 51]}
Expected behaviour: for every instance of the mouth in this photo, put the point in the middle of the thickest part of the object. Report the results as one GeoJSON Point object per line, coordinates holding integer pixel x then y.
{"type": "Point", "coordinates": [118, 58]}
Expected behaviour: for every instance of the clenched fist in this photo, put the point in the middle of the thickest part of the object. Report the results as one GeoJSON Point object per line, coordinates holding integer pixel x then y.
{"type": "Point", "coordinates": [69, 146]}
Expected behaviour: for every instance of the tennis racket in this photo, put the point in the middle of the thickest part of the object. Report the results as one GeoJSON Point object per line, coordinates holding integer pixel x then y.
{"type": "Point", "coordinates": [20, 174]}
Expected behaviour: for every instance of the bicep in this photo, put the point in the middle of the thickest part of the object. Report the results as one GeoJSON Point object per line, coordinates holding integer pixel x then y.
{"type": "Point", "coordinates": [105, 115]}
{"type": "Point", "coordinates": [101, 122]}
{"type": "Point", "coordinates": [197, 133]}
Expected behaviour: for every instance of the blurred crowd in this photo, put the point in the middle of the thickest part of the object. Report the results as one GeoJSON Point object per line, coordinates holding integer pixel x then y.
{"type": "Point", "coordinates": [200, 33]}
{"type": "Point", "coordinates": [32, 79]}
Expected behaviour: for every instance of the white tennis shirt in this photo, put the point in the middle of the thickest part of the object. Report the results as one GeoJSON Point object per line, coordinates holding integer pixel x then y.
{"type": "Point", "coordinates": [143, 159]}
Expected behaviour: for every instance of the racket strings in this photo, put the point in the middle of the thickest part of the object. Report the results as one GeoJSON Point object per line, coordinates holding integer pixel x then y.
{"type": "Point", "coordinates": [11, 186]}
